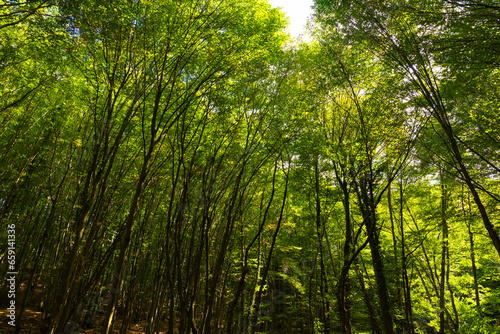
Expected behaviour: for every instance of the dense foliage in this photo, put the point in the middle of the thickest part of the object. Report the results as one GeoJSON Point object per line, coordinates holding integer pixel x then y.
{"type": "Point", "coordinates": [185, 166]}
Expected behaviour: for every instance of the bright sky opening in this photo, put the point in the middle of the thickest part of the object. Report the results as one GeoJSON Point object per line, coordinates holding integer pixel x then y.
{"type": "Point", "coordinates": [297, 11]}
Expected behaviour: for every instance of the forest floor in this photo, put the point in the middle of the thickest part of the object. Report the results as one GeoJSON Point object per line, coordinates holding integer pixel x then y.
{"type": "Point", "coordinates": [32, 320]}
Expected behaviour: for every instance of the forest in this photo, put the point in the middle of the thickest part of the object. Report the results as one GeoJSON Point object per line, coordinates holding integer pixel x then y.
{"type": "Point", "coordinates": [185, 166]}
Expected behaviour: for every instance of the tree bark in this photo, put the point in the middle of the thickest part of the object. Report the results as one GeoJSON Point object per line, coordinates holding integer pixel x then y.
{"type": "Point", "coordinates": [444, 247]}
{"type": "Point", "coordinates": [365, 190]}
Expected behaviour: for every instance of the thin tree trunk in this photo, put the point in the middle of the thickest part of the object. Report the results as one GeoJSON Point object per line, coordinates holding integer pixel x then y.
{"type": "Point", "coordinates": [369, 216]}
{"type": "Point", "coordinates": [319, 235]}
{"type": "Point", "coordinates": [468, 222]}
{"type": "Point", "coordinates": [406, 283]}
{"type": "Point", "coordinates": [475, 195]}
{"type": "Point", "coordinates": [267, 264]}
{"type": "Point", "coordinates": [129, 222]}
{"type": "Point", "coordinates": [444, 248]}
{"type": "Point", "coordinates": [366, 298]}
{"type": "Point", "coordinates": [344, 286]}
{"type": "Point", "coordinates": [245, 269]}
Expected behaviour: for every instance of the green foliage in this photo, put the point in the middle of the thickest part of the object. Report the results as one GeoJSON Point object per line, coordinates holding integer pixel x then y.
{"type": "Point", "coordinates": [187, 164]}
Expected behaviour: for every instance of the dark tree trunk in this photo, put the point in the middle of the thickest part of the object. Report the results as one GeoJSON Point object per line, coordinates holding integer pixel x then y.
{"type": "Point", "coordinates": [367, 206]}
{"type": "Point", "coordinates": [444, 247]}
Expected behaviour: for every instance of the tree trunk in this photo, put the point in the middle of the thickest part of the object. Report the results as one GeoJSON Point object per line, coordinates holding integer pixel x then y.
{"type": "Point", "coordinates": [267, 264]}
{"type": "Point", "coordinates": [406, 283]}
{"type": "Point", "coordinates": [369, 216]}
{"type": "Point", "coordinates": [129, 222]}
{"type": "Point", "coordinates": [444, 248]}
{"type": "Point", "coordinates": [324, 318]}
{"type": "Point", "coordinates": [344, 286]}
{"type": "Point", "coordinates": [366, 298]}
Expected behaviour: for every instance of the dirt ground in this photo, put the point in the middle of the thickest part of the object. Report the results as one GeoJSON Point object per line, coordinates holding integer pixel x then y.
{"type": "Point", "coordinates": [32, 320]}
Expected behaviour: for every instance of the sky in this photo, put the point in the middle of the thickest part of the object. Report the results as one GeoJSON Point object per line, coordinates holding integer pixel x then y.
{"type": "Point", "coordinates": [297, 11]}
